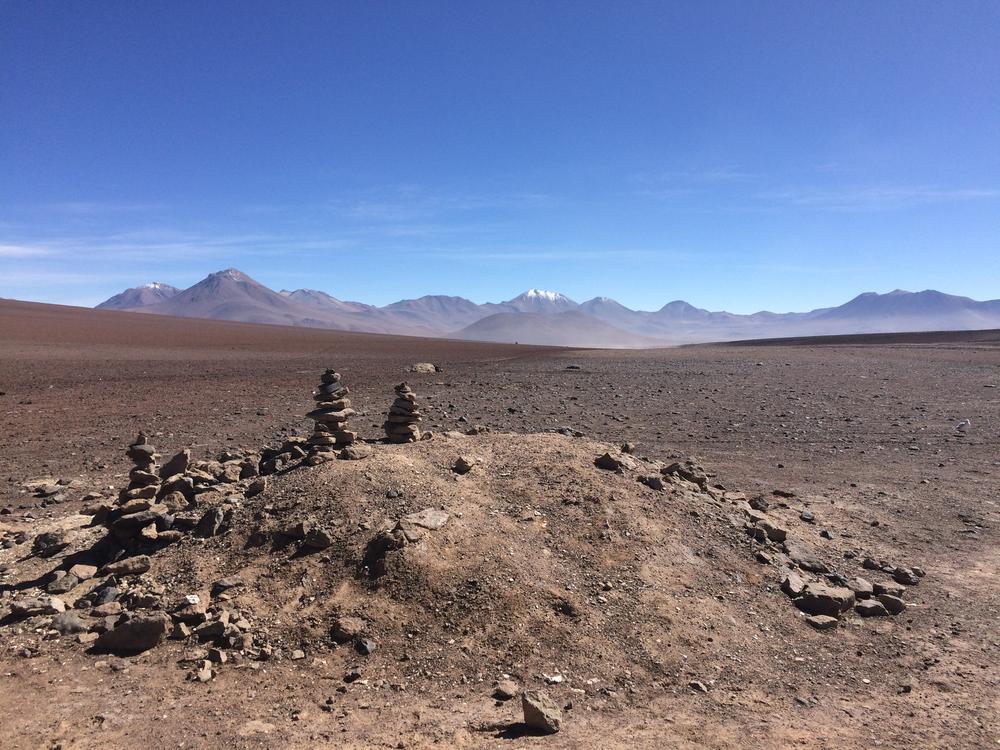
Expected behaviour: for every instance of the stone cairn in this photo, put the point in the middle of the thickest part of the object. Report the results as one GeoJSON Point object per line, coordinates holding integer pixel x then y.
{"type": "Point", "coordinates": [144, 480]}
{"type": "Point", "coordinates": [404, 415]}
{"type": "Point", "coordinates": [332, 411]}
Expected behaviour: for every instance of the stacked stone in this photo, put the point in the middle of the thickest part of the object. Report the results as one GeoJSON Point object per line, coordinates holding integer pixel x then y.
{"type": "Point", "coordinates": [144, 480]}
{"type": "Point", "coordinates": [404, 416]}
{"type": "Point", "coordinates": [332, 411]}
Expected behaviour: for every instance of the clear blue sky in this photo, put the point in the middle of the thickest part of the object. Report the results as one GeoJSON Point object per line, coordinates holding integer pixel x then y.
{"type": "Point", "coordinates": [739, 155]}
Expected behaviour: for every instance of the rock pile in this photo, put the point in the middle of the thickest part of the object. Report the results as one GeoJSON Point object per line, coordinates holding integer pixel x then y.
{"type": "Point", "coordinates": [144, 479]}
{"type": "Point", "coordinates": [332, 411]}
{"type": "Point", "coordinates": [403, 417]}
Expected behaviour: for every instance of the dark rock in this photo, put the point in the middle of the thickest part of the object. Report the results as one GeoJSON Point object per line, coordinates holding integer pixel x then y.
{"type": "Point", "coordinates": [822, 622]}
{"type": "Point", "coordinates": [821, 599]}
{"type": "Point", "coordinates": [63, 584]}
{"type": "Point", "coordinates": [463, 465]}
{"type": "Point", "coordinates": [317, 539]}
{"type": "Point", "coordinates": [135, 635]}
{"type": "Point", "coordinates": [905, 576]}
{"type": "Point", "coordinates": [805, 557]}
{"type": "Point", "coordinates": [49, 543]}
{"type": "Point", "coordinates": [653, 482]}
{"type": "Point", "coordinates": [892, 589]}
{"type": "Point", "coordinates": [364, 646]}
{"type": "Point", "coordinates": [862, 589]}
{"type": "Point", "coordinates": [871, 608]}
{"type": "Point", "coordinates": [211, 522]}
{"type": "Point", "coordinates": [224, 584]}
{"type": "Point", "coordinates": [176, 465]}
{"type": "Point", "coordinates": [893, 604]}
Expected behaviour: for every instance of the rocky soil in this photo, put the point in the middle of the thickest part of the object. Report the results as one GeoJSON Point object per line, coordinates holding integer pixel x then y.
{"type": "Point", "coordinates": [827, 579]}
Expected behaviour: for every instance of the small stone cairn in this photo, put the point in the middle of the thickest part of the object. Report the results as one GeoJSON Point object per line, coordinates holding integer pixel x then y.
{"type": "Point", "coordinates": [403, 417]}
{"type": "Point", "coordinates": [332, 411]}
{"type": "Point", "coordinates": [144, 480]}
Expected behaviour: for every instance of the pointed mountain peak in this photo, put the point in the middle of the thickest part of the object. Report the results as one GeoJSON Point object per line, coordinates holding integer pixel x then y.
{"type": "Point", "coordinates": [232, 274]}
{"type": "Point", "coordinates": [542, 294]}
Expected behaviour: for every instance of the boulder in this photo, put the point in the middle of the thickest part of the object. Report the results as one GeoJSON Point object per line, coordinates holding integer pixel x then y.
{"type": "Point", "coordinates": [257, 486]}
{"type": "Point", "coordinates": [862, 588]}
{"type": "Point", "coordinates": [793, 584]}
{"type": "Point", "coordinates": [905, 576]}
{"type": "Point", "coordinates": [505, 690]}
{"type": "Point", "coordinates": [135, 635]}
{"type": "Point", "coordinates": [893, 604]}
{"type": "Point", "coordinates": [871, 608]}
{"type": "Point", "coordinates": [346, 629]}
{"type": "Point", "coordinates": [541, 712]}
{"type": "Point", "coordinates": [210, 523]}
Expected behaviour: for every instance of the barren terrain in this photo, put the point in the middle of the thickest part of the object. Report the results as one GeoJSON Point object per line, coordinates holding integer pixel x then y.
{"type": "Point", "coordinates": [652, 606]}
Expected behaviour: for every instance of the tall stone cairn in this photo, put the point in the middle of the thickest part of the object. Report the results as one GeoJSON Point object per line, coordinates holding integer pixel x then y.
{"type": "Point", "coordinates": [403, 417]}
{"type": "Point", "coordinates": [143, 479]}
{"type": "Point", "coordinates": [332, 411]}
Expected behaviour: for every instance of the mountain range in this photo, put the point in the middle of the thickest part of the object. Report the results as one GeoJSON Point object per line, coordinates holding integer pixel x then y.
{"type": "Point", "coordinates": [543, 317]}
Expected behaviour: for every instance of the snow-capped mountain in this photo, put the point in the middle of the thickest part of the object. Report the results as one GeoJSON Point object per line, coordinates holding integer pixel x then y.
{"type": "Point", "coordinates": [140, 296]}
{"type": "Point", "coordinates": [540, 300]}
{"type": "Point", "coordinates": [538, 316]}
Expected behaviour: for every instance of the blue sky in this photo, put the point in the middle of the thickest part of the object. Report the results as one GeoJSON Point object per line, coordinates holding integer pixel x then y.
{"type": "Point", "coordinates": [741, 156]}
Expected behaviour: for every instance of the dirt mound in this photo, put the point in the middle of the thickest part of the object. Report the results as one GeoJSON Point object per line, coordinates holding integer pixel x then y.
{"type": "Point", "coordinates": [496, 563]}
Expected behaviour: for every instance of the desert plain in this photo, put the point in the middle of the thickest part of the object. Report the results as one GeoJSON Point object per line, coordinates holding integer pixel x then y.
{"type": "Point", "coordinates": [650, 616]}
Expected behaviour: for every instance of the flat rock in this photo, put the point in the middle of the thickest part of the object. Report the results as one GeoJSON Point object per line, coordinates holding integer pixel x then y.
{"type": "Point", "coordinates": [805, 557]}
{"type": "Point", "coordinates": [822, 622]}
{"type": "Point", "coordinates": [822, 599]}
{"type": "Point", "coordinates": [428, 518]}
{"type": "Point", "coordinates": [83, 572]}
{"type": "Point", "coordinates": [130, 566]}
{"type": "Point", "coordinates": [37, 605]}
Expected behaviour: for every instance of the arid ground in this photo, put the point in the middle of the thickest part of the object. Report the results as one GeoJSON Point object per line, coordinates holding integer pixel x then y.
{"type": "Point", "coordinates": [653, 607]}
